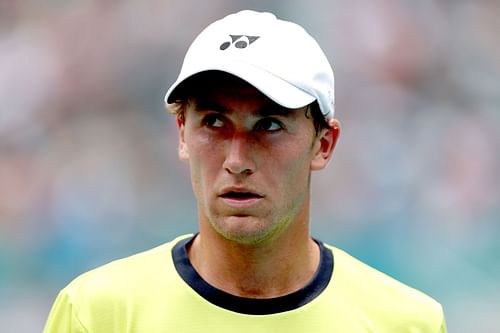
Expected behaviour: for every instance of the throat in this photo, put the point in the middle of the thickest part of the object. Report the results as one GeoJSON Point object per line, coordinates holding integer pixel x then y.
{"type": "Point", "coordinates": [255, 272]}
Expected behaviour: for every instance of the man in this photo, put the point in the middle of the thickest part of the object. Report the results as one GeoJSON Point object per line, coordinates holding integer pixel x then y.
{"type": "Point", "coordinates": [255, 113]}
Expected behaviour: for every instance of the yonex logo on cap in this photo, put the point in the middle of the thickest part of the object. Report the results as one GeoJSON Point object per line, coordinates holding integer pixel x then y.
{"type": "Point", "coordinates": [239, 41]}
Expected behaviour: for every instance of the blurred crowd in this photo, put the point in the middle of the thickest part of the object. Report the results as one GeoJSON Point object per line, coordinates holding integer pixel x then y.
{"type": "Point", "coordinates": [88, 162]}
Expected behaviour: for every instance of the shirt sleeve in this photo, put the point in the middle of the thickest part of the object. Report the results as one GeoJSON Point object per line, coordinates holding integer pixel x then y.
{"type": "Point", "coordinates": [443, 327]}
{"type": "Point", "coordinates": [63, 317]}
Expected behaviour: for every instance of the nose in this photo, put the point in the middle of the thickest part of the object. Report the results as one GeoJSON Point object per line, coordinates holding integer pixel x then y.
{"type": "Point", "coordinates": [239, 154]}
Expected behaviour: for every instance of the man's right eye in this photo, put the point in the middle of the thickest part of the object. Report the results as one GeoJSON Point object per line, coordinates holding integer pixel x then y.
{"type": "Point", "coordinates": [213, 120]}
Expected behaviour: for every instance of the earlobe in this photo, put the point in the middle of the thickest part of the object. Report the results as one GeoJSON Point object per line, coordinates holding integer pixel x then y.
{"type": "Point", "coordinates": [325, 145]}
{"type": "Point", "coordinates": [183, 150]}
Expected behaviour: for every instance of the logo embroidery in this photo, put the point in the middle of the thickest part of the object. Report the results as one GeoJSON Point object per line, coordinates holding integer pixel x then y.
{"type": "Point", "coordinates": [239, 41]}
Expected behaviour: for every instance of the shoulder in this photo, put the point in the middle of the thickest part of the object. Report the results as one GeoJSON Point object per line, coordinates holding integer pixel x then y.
{"type": "Point", "coordinates": [104, 298]}
{"type": "Point", "coordinates": [122, 276]}
{"type": "Point", "coordinates": [380, 296]}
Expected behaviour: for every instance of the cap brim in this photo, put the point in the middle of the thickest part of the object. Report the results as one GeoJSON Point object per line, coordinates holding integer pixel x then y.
{"type": "Point", "coordinates": [275, 88]}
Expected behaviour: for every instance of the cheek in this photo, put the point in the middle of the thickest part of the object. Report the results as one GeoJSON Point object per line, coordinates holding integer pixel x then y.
{"type": "Point", "coordinates": [204, 160]}
{"type": "Point", "coordinates": [291, 169]}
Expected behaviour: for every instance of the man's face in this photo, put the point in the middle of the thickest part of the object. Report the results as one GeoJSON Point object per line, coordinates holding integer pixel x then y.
{"type": "Point", "coordinates": [250, 162]}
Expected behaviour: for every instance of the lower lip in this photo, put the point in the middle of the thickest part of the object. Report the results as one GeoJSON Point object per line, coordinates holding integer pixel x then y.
{"type": "Point", "coordinates": [240, 203]}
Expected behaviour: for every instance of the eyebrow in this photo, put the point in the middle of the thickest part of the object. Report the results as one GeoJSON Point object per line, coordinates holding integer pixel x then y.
{"type": "Point", "coordinates": [274, 109]}
{"type": "Point", "coordinates": [271, 109]}
{"type": "Point", "coordinates": [203, 104]}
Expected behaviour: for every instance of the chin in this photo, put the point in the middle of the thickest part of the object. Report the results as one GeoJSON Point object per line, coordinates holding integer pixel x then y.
{"type": "Point", "coordinates": [246, 230]}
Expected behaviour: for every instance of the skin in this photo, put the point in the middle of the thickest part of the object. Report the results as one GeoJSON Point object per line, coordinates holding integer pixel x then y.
{"type": "Point", "coordinates": [250, 163]}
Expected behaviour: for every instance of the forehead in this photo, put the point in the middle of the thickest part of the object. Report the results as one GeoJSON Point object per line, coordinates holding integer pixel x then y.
{"type": "Point", "coordinates": [232, 96]}
{"type": "Point", "coordinates": [220, 87]}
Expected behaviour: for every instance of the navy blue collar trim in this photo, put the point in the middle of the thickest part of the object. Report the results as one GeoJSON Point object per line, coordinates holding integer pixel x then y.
{"type": "Point", "coordinates": [253, 306]}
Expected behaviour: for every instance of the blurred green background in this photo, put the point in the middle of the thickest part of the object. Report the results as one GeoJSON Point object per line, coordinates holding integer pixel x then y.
{"type": "Point", "coordinates": [88, 163]}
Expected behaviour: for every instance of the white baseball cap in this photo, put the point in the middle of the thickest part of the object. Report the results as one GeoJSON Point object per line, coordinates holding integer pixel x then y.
{"type": "Point", "coordinates": [279, 58]}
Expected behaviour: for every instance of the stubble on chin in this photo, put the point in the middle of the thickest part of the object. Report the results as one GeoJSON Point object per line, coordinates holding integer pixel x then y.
{"type": "Point", "coordinates": [248, 230]}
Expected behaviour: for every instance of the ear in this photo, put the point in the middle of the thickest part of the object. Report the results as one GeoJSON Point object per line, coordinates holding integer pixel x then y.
{"type": "Point", "coordinates": [183, 150]}
{"type": "Point", "coordinates": [325, 144]}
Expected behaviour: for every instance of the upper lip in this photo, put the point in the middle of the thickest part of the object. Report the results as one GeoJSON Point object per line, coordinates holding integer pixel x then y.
{"type": "Point", "coordinates": [241, 190]}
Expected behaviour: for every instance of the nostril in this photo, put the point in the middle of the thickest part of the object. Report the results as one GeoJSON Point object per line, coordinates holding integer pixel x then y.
{"type": "Point", "coordinates": [242, 171]}
{"type": "Point", "coordinates": [236, 165]}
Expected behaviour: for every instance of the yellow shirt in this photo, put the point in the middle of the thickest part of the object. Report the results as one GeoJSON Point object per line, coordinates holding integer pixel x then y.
{"type": "Point", "coordinates": [159, 291]}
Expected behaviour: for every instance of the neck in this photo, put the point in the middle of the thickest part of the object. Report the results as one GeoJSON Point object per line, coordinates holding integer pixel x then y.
{"type": "Point", "coordinates": [270, 269]}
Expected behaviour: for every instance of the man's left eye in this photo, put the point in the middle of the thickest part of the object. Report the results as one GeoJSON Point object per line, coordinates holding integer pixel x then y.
{"type": "Point", "coordinates": [269, 124]}
{"type": "Point", "coordinates": [213, 120]}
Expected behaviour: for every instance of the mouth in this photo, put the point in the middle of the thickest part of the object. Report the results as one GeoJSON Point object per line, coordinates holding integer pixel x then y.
{"type": "Point", "coordinates": [240, 195]}
{"type": "Point", "coordinates": [240, 198]}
